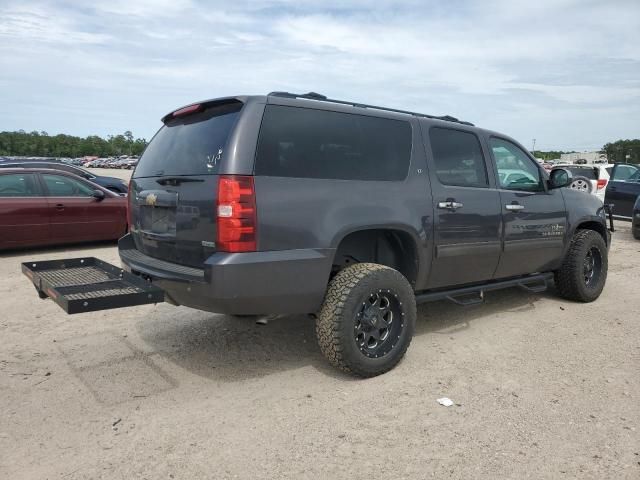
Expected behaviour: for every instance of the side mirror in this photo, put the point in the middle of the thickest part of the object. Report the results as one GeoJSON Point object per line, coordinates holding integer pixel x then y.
{"type": "Point", "coordinates": [98, 194]}
{"type": "Point", "coordinates": [559, 177]}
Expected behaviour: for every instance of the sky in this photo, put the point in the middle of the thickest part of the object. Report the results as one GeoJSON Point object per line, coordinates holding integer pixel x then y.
{"type": "Point", "coordinates": [564, 72]}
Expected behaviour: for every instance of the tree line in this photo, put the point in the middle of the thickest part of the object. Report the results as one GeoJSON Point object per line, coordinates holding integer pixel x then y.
{"type": "Point", "coordinates": [40, 144]}
{"type": "Point", "coordinates": [623, 151]}
{"type": "Point", "coordinates": [549, 155]}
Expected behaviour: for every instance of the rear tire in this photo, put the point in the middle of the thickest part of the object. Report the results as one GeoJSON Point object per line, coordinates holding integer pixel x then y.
{"type": "Point", "coordinates": [367, 320]}
{"type": "Point", "coordinates": [584, 271]}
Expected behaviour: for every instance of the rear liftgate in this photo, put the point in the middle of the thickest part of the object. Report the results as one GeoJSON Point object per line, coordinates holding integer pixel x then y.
{"type": "Point", "coordinates": [88, 284]}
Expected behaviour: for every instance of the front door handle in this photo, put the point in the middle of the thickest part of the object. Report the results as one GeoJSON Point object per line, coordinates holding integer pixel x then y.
{"type": "Point", "coordinates": [514, 207]}
{"type": "Point", "coordinates": [450, 204]}
{"type": "Point", "coordinates": [59, 206]}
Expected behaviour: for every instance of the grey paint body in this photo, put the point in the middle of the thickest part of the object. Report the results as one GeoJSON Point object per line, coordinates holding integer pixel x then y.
{"type": "Point", "coordinates": [302, 223]}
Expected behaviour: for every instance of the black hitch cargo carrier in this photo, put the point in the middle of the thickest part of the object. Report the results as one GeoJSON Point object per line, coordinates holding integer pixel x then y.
{"type": "Point", "coordinates": [88, 284]}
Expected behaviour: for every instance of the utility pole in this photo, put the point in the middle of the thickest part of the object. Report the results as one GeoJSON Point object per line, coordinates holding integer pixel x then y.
{"type": "Point", "coordinates": [533, 149]}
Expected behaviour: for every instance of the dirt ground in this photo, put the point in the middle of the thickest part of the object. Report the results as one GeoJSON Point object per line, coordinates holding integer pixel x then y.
{"type": "Point", "coordinates": [543, 388]}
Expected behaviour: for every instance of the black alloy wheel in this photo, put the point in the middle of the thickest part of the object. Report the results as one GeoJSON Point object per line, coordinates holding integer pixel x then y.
{"type": "Point", "coordinates": [379, 323]}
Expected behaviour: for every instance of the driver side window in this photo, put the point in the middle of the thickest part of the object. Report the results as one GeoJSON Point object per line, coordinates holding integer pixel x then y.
{"type": "Point", "coordinates": [516, 170]}
{"type": "Point", "coordinates": [626, 173]}
{"type": "Point", "coordinates": [61, 186]}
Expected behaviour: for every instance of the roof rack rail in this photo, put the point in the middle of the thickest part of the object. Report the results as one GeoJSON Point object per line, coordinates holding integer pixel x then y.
{"type": "Point", "coordinates": [322, 98]}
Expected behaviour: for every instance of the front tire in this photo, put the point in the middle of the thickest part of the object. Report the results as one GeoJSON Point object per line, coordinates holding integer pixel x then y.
{"type": "Point", "coordinates": [367, 320]}
{"type": "Point", "coordinates": [584, 271]}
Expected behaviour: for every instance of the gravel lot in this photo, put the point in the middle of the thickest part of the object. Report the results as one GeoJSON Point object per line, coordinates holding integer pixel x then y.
{"type": "Point", "coordinates": [543, 388]}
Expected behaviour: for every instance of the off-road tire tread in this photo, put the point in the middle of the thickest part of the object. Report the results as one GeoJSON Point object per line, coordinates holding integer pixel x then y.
{"type": "Point", "coordinates": [567, 276]}
{"type": "Point", "coordinates": [328, 321]}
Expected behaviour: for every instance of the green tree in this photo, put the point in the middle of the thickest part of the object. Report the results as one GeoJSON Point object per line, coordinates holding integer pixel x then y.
{"type": "Point", "coordinates": [623, 151]}
{"type": "Point", "coordinates": [40, 144]}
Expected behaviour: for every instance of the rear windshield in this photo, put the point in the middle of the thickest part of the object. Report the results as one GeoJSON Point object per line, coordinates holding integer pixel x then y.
{"type": "Point", "coordinates": [306, 143]}
{"type": "Point", "coordinates": [191, 145]}
{"type": "Point", "coordinates": [588, 172]}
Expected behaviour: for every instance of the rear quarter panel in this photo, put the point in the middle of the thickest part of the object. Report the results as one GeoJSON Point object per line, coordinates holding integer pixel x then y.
{"type": "Point", "coordinates": [296, 213]}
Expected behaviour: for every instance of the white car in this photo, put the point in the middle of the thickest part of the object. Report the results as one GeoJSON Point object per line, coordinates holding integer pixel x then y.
{"type": "Point", "coordinates": [592, 179]}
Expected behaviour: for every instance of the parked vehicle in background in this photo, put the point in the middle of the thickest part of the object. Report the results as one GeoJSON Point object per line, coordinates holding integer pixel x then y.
{"type": "Point", "coordinates": [40, 206]}
{"type": "Point", "coordinates": [623, 189]}
{"type": "Point", "coordinates": [591, 179]}
{"type": "Point", "coordinates": [635, 222]}
{"type": "Point", "coordinates": [116, 185]}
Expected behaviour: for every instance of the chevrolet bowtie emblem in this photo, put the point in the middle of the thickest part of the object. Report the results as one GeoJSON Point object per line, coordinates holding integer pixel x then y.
{"type": "Point", "coordinates": [151, 199]}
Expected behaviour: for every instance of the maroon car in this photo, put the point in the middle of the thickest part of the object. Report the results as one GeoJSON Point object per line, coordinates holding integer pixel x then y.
{"type": "Point", "coordinates": [44, 207]}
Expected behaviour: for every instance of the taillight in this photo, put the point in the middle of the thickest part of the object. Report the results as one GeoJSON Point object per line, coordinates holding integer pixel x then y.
{"type": "Point", "coordinates": [236, 212]}
{"type": "Point", "coordinates": [129, 206]}
{"type": "Point", "coordinates": [602, 183]}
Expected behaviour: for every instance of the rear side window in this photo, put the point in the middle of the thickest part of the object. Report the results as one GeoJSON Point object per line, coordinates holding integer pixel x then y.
{"type": "Point", "coordinates": [190, 145]}
{"type": "Point", "coordinates": [18, 185]}
{"type": "Point", "coordinates": [458, 158]}
{"type": "Point", "coordinates": [300, 142]}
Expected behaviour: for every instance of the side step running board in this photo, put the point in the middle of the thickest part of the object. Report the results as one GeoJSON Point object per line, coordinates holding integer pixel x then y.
{"type": "Point", "coordinates": [88, 284]}
{"type": "Point", "coordinates": [474, 295]}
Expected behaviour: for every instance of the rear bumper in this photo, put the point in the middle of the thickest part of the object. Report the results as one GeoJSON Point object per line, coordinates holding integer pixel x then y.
{"type": "Point", "coordinates": [285, 281]}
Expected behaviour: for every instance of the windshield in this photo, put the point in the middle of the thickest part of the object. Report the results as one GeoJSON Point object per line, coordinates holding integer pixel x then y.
{"type": "Point", "coordinates": [191, 145]}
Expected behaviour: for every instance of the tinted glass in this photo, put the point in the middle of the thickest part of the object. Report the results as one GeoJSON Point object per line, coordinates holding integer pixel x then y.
{"type": "Point", "coordinates": [516, 171]}
{"type": "Point", "coordinates": [18, 185]}
{"type": "Point", "coordinates": [458, 158]}
{"type": "Point", "coordinates": [61, 186]}
{"type": "Point", "coordinates": [190, 145]}
{"type": "Point", "coordinates": [300, 142]}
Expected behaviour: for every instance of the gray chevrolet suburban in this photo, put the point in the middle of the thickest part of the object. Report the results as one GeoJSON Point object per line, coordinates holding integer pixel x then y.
{"type": "Point", "coordinates": [353, 213]}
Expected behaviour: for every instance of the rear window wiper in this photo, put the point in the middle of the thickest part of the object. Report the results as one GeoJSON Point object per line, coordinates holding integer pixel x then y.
{"type": "Point", "coordinates": [174, 181]}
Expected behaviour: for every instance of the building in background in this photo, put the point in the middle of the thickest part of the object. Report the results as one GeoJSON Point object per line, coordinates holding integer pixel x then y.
{"type": "Point", "coordinates": [584, 158]}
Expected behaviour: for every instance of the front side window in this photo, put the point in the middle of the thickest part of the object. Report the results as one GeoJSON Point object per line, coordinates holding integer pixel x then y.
{"type": "Point", "coordinates": [18, 185]}
{"type": "Point", "coordinates": [307, 143]}
{"type": "Point", "coordinates": [626, 173]}
{"type": "Point", "coordinates": [516, 171]}
{"type": "Point", "coordinates": [61, 186]}
{"type": "Point", "coordinates": [458, 158]}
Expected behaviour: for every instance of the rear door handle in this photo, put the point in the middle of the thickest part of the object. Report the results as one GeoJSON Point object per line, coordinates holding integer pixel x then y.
{"type": "Point", "coordinates": [450, 205]}
{"type": "Point", "coordinates": [59, 206]}
{"type": "Point", "coordinates": [514, 207]}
